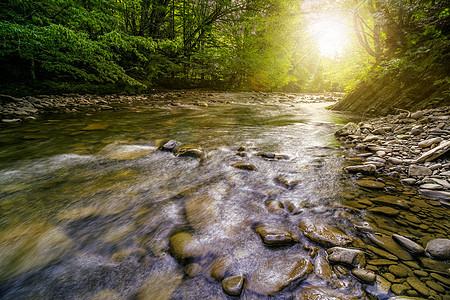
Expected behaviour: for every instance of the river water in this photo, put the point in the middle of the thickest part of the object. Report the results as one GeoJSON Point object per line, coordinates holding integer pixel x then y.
{"type": "Point", "coordinates": [89, 205]}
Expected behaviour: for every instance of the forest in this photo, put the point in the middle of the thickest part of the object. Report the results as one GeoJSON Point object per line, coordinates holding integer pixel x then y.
{"type": "Point", "coordinates": [264, 45]}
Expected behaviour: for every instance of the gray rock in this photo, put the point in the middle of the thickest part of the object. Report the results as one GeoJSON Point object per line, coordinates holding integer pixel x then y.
{"type": "Point", "coordinates": [436, 194]}
{"type": "Point", "coordinates": [364, 275]}
{"type": "Point", "coordinates": [429, 142]}
{"type": "Point", "coordinates": [417, 115]}
{"type": "Point", "coordinates": [371, 138]}
{"type": "Point", "coordinates": [364, 169]}
{"type": "Point", "coordinates": [395, 160]}
{"type": "Point", "coordinates": [11, 120]}
{"type": "Point", "coordinates": [233, 285]}
{"type": "Point", "coordinates": [439, 249]}
{"type": "Point", "coordinates": [416, 170]}
{"type": "Point", "coordinates": [409, 245]}
{"type": "Point", "coordinates": [431, 186]}
{"type": "Point", "coordinates": [352, 257]}
{"type": "Point", "coordinates": [169, 146]}
{"type": "Point", "coordinates": [434, 153]}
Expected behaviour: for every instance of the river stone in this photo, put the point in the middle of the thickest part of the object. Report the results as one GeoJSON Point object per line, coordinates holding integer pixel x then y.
{"type": "Point", "coordinates": [429, 142]}
{"type": "Point", "coordinates": [160, 285]}
{"type": "Point", "coordinates": [272, 235]}
{"type": "Point", "coordinates": [381, 262]}
{"type": "Point", "coordinates": [95, 127]}
{"type": "Point", "coordinates": [324, 234]}
{"type": "Point", "coordinates": [364, 169]}
{"type": "Point", "coordinates": [29, 247]}
{"type": "Point", "coordinates": [370, 184]}
{"type": "Point", "coordinates": [405, 298]}
{"type": "Point", "coordinates": [193, 269]}
{"type": "Point", "coordinates": [233, 285]}
{"type": "Point", "coordinates": [389, 211]}
{"type": "Point", "coordinates": [191, 152]}
{"type": "Point", "coordinates": [352, 257]}
{"type": "Point", "coordinates": [431, 186]}
{"type": "Point", "coordinates": [439, 249]}
{"type": "Point", "coordinates": [382, 253]}
{"type": "Point", "coordinates": [434, 153]}
{"type": "Point", "coordinates": [436, 286]}
{"type": "Point", "coordinates": [244, 166]}
{"type": "Point", "coordinates": [418, 285]}
{"type": "Point", "coordinates": [382, 286]}
{"type": "Point", "coordinates": [107, 295]}
{"type": "Point", "coordinates": [409, 245]}
{"type": "Point", "coordinates": [416, 170]}
{"type": "Point", "coordinates": [322, 269]}
{"type": "Point", "coordinates": [183, 246]}
{"type": "Point", "coordinates": [219, 268]}
{"type": "Point", "coordinates": [348, 129]}
{"type": "Point", "coordinates": [364, 275]}
{"type": "Point", "coordinates": [275, 274]}
{"type": "Point", "coordinates": [399, 288]}
{"type": "Point", "coordinates": [440, 278]}
{"type": "Point", "coordinates": [436, 194]}
{"type": "Point", "coordinates": [435, 265]}
{"type": "Point", "coordinates": [322, 293]}
{"type": "Point", "coordinates": [169, 146]}
{"type": "Point", "coordinates": [391, 200]}
{"type": "Point", "coordinates": [201, 211]}
{"type": "Point", "coordinates": [387, 243]}
{"type": "Point", "coordinates": [398, 271]}
{"type": "Point", "coordinates": [275, 207]}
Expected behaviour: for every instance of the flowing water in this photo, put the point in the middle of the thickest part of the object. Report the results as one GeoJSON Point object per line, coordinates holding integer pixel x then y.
{"type": "Point", "coordinates": [88, 204]}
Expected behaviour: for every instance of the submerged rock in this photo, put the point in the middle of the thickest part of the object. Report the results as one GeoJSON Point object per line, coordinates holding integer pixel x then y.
{"type": "Point", "coordinates": [275, 274]}
{"type": "Point", "coordinates": [273, 235]}
{"type": "Point", "coordinates": [201, 211]}
{"type": "Point", "coordinates": [409, 245]}
{"type": "Point", "coordinates": [322, 269]}
{"type": "Point", "coordinates": [191, 152]}
{"type": "Point", "coordinates": [169, 146]}
{"type": "Point", "coordinates": [364, 169]}
{"type": "Point", "coordinates": [107, 295]}
{"type": "Point", "coordinates": [387, 243]}
{"type": "Point", "coordinates": [322, 293]}
{"type": "Point", "coordinates": [233, 285]}
{"type": "Point", "coordinates": [244, 166]}
{"type": "Point", "coordinates": [324, 234]}
{"type": "Point", "coordinates": [370, 184]}
{"type": "Point", "coordinates": [95, 127]}
{"type": "Point", "coordinates": [160, 285]}
{"type": "Point", "coordinates": [29, 247]}
{"type": "Point", "coordinates": [439, 249]}
{"type": "Point", "coordinates": [183, 246]}
{"type": "Point", "coordinates": [364, 275]}
{"type": "Point", "coordinates": [352, 257]}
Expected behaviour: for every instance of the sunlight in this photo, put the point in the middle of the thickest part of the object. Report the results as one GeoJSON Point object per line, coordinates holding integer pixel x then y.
{"type": "Point", "coordinates": [330, 34]}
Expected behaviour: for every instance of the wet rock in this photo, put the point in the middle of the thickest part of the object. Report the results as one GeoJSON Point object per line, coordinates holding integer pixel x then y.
{"type": "Point", "coordinates": [275, 274]}
{"type": "Point", "coordinates": [370, 184]}
{"type": "Point", "coordinates": [273, 235]}
{"type": "Point", "coordinates": [388, 211]}
{"type": "Point", "coordinates": [399, 288]}
{"type": "Point", "coordinates": [324, 234]}
{"type": "Point", "coordinates": [183, 246]}
{"type": "Point", "coordinates": [286, 183]}
{"type": "Point", "coordinates": [275, 207]}
{"type": "Point", "coordinates": [244, 166]}
{"type": "Point", "coordinates": [219, 268]}
{"type": "Point", "coordinates": [439, 249]}
{"type": "Point", "coordinates": [161, 284]}
{"type": "Point", "coordinates": [233, 285]}
{"type": "Point", "coordinates": [121, 255]}
{"type": "Point", "coordinates": [416, 170]}
{"type": "Point", "coordinates": [349, 129]}
{"type": "Point", "coordinates": [418, 285]}
{"type": "Point", "coordinates": [435, 286]}
{"type": "Point", "coordinates": [364, 169]}
{"type": "Point", "coordinates": [436, 194]}
{"type": "Point", "coordinates": [11, 120]}
{"type": "Point", "coordinates": [382, 286]}
{"type": "Point", "coordinates": [434, 153]}
{"type": "Point", "coordinates": [435, 265]}
{"type": "Point", "coordinates": [364, 275]}
{"type": "Point", "coordinates": [387, 243]}
{"type": "Point", "coordinates": [381, 262]}
{"type": "Point", "coordinates": [193, 269]}
{"type": "Point", "coordinates": [107, 295]}
{"type": "Point", "coordinates": [391, 201]}
{"type": "Point", "coordinates": [445, 281]}
{"type": "Point", "coordinates": [95, 127]}
{"type": "Point", "coordinates": [382, 253]}
{"type": "Point", "coordinates": [267, 155]}
{"type": "Point", "coordinates": [201, 211]}
{"type": "Point", "coordinates": [409, 245]}
{"type": "Point", "coordinates": [30, 247]}
{"type": "Point", "coordinates": [322, 269]}
{"type": "Point", "coordinates": [395, 160]}
{"type": "Point", "coordinates": [431, 186]}
{"type": "Point", "coordinates": [322, 293]}
{"type": "Point", "coordinates": [191, 152]}
{"type": "Point", "coordinates": [399, 271]}
{"type": "Point", "coordinates": [352, 257]}
{"type": "Point", "coordinates": [169, 146]}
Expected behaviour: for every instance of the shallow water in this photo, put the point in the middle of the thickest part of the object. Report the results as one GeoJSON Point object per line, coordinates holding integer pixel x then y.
{"type": "Point", "coordinates": [84, 211]}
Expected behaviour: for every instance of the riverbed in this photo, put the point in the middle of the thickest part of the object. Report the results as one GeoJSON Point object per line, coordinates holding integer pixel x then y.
{"type": "Point", "coordinates": [94, 206]}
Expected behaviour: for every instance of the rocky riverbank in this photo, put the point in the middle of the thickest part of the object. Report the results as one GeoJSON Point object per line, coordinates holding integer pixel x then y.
{"type": "Point", "coordinates": [410, 146]}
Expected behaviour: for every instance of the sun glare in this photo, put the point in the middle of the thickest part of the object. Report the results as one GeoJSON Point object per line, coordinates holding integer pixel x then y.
{"type": "Point", "coordinates": [330, 34]}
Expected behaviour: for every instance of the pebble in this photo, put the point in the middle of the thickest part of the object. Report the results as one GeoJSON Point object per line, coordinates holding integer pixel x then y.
{"type": "Point", "coordinates": [364, 275]}
{"type": "Point", "coordinates": [418, 285]}
{"type": "Point", "coordinates": [233, 285]}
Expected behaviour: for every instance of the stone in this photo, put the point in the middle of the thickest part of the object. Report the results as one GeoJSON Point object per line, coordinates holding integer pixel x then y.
{"type": "Point", "coordinates": [233, 285]}
{"type": "Point", "coordinates": [395, 160]}
{"type": "Point", "coordinates": [193, 269]}
{"type": "Point", "coordinates": [382, 286]}
{"type": "Point", "coordinates": [371, 138]}
{"type": "Point", "coordinates": [364, 275]}
{"type": "Point", "coordinates": [417, 115]}
{"type": "Point", "coordinates": [364, 169]}
{"type": "Point", "coordinates": [435, 286]}
{"type": "Point", "coordinates": [418, 285]}
{"type": "Point", "coordinates": [274, 274]}
{"type": "Point", "coordinates": [439, 249]}
{"type": "Point", "coordinates": [409, 245]}
{"type": "Point", "coordinates": [107, 295]}
{"type": "Point", "coordinates": [324, 234]}
{"type": "Point", "coordinates": [434, 153]}
{"type": "Point", "coordinates": [219, 268]}
{"type": "Point", "coordinates": [183, 246]}
{"type": "Point", "coordinates": [431, 186]}
{"type": "Point", "coordinates": [399, 288]}
{"type": "Point", "coordinates": [398, 271]}
{"type": "Point", "coordinates": [272, 235]}
{"type": "Point", "coordinates": [244, 166]}
{"type": "Point", "coordinates": [382, 253]}
{"type": "Point", "coordinates": [161, 284]}
{"type": "Point", "coordinates": [416, 170]}
{"type": "Point", "coordinates": [371, 184]}
{"type": "Point", "coordinates": [429, 142]}
{"type": "Point", "coordinates": [384, 210]}
{"type": "Point", "coordinates": [322, 293]}
{"type": "Point", "coordinates": [349, 129]}
{"type": "Point", "coordinates": [322, 269]}
{"type": "Point", "coordinates": [353, 257]}
{"type": "Point", "coordinates": [30, 247]}
{"type": "Point", "coordinates": [191, 152]}
{"type": "Point", "coordinates": [440, 278]}
{"type": "Point", "coordinates": [435, 265]}
{"type": "Point", "coordinates": [387, 243]}
{"type": "Point", "coordinates": [275, 207]}
{"type": "Point", "coordinates": [391, 201]}
{"type": "Point", "coordinates": [11, 120]}
{"type": "Point", "coordinates": [95, 127]}
{"type": "Point", "coordinates": [436, 194]}
{"type": "Point", "coordinates": [381, 262]}
{"type": "Point", "coordinates": [201, 211]}
{"type": "Point", "coordinates": [169, 146]}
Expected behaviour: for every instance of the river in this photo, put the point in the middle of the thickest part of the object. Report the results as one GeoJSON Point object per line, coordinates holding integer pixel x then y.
{"type": "Point", "coordinates": [91, 209]}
